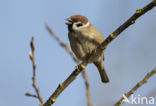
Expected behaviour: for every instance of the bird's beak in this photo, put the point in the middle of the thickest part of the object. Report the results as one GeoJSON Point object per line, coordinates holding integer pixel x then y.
{"type": "Point", "coordinates": [69, 21]}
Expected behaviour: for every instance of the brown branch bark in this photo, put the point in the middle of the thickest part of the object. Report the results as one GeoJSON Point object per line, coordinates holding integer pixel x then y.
{"type": "Point", "coordinates": [91, 57]}
{"type": "Point", "coordinates": [32, 58]}
{"type": "Point", "coordinates": [84, 75]}
{"type": "Point", "coordinates": [138, 85]}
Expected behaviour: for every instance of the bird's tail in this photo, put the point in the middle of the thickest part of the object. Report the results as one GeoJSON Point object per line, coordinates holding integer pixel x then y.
{"type": "Point", "coordinates": [102, 71]}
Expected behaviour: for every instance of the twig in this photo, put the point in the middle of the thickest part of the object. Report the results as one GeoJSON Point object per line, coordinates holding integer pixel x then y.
{"type": "Point", "coordinates": [138, 85]}
{"type": "Point", "coordinates": [31, 95]}
{"type": "Point", "coordinates": [87, 87]}
{"type": "Point", "coordinates": [32, 58]}
{"type": "Point", "coordinates": [84, 75]}
{"type": "Point", "coordinates": [97, 52]}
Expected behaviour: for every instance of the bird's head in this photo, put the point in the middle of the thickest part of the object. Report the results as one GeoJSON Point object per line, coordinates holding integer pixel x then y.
{"type": "Point", "coordinates": [77, 23]}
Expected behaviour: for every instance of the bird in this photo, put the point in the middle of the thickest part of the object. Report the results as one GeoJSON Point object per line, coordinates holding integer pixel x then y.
{"type": "Point", "coordinates": [85, 38]}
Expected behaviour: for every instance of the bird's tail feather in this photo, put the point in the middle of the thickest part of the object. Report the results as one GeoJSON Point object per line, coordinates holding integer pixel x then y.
{"type": "Point", "coordinates": [102, 71]}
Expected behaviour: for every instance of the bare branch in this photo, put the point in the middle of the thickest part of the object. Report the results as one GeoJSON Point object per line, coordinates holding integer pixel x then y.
{"type": "Point", "coordinates": [97, 52]}
{"type": "Point", "coordinates": [32, 58]}
{"type": "Point", "coordinates": [138, 85]}
{"type": "Point", "coordinates": [31, 95]}
{"type": "Point", "coordinates": [84, 75]}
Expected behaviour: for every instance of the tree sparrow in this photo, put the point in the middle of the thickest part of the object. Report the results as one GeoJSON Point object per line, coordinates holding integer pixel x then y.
{"type": "Point", "coordinates": [84, 38]}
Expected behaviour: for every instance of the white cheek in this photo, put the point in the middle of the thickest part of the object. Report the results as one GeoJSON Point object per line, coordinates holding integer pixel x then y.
{"type": "Point", "coordinates": [75, 27]}
{"type": "Point", "coordinates": [79, 28]}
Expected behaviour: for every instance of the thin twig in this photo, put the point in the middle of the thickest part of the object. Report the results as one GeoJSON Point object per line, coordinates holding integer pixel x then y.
{"type": "Point", "coordinates": [97, 52]}
{"type": "Point", "coordinates": [32, 58]}
{"type": "Point", "coordinates": [84, 75]}
{"type": "Point", "coordinates": [87, 87]}
{"type": "Point", "coordinates": [31, 95]}
{"type": "Point", "coordinates": [138, 85]}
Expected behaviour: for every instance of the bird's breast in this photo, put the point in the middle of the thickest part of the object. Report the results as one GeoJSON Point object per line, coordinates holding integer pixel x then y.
{"type": "Point", "coordinates": [81, 45]}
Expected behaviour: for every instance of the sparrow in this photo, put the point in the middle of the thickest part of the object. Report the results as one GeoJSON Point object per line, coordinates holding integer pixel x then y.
{"type": "Point", "coordinates": [84, 38]}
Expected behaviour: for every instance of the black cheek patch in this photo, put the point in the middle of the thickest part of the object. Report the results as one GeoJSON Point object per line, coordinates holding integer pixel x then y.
{"type": "Point", "coordinates": [78, 25]}
{"type": "Point", "coordinates": [70, 27]}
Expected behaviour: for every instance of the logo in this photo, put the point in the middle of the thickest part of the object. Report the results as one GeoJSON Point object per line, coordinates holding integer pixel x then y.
{"type": "Point", "coordinates": [138, 99]}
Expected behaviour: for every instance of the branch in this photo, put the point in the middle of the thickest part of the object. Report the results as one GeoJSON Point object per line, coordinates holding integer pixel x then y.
{"type": "Point", "coordinates": [32, 58]}
{"type": "Point", "coordinates": [97, 52]}
{"type": "Point", "coordinates": [138, 85]}
{"type": "Point", "coordinates": [84, 75]}
{"type": "Point", "coordinates": [31, 95]}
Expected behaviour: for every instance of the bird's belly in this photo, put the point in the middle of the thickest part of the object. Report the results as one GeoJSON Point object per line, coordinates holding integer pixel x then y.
{"type": "Point", "coordinates": [82, 48]}
{"type": "Point", "coordinates": [82, 45]}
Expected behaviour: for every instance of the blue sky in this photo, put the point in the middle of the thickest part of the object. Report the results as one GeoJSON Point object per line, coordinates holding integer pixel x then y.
{"type": "Point", "coordinates": [127, 59]}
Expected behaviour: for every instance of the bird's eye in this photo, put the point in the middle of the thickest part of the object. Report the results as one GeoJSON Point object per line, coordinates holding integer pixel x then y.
{"type": "Point", "coordinates": [78, 25]}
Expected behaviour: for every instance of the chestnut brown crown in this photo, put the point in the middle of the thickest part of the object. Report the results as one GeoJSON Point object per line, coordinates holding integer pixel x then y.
{"type": "Point", "coordinates": [76, 18]}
